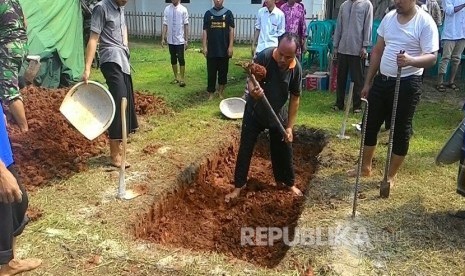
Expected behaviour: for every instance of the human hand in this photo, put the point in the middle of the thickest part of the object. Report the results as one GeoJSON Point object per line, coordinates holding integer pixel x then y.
{"type": "Point", "coordinates": [86, 75]}
{"type": "Point", "coordinates": [9, 188]}
{"type": "Point", "coordinates": [205, 51]}
{"type": "Point", "coordinates": [255, 91]}
{"type": "Point", "coordinates": [404, 59]}
{"type": "Point", "coordinates": [363, 53]}
{"type": "Point", "coordinates": [365, 91]}
{"type": "Point", "coordinates": [230, 51]}
{"type": "Point", "coordinates": [289, 136]}
{"type": "Point", "coordinates": [163, 42]}
{"type": "Point", "coordinates": [252, 51]}
{"type": "Point", "coordinates": [186, 45]}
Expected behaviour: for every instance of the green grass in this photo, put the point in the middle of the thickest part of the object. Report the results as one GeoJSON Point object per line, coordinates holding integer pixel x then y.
{"type": "Point", "coordinates": [427, 241]}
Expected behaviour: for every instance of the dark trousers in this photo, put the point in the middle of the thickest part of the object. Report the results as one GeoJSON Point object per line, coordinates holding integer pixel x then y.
{"type": "Point", "coordinates": [354, 65]}
{"type": "Point", "coordinates": [281, 153]}
{"type": "Point", "coordinates": [177, 54]}
{"type": "Point", "coordinates": [216, 66]}
{"type": "Point", "coordinates": [380, 101]}
{"type": "Point", "coordinates": [13, 219]}
{"type": "Point", "coordinates": [120, 85]}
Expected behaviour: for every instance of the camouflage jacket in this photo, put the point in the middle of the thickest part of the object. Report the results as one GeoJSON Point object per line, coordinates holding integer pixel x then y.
{"type": "Point", "coordinates": [12, 29]}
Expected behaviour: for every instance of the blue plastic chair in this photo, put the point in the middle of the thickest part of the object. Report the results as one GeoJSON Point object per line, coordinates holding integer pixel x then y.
{"type": "Point", "coordinates": [318, 39]}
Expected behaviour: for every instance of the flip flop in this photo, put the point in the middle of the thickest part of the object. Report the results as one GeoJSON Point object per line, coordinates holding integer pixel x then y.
{"type": "Point", "coordinates": [182, 84]}
{"type": "Point", "coordinates": [174, 81]}
{"type": "Point", "coordinates": [453, 86]}
{"type": "Point", "coordinates": [441, 88]}
{"type": "Point", "coordinates": [459, 214]}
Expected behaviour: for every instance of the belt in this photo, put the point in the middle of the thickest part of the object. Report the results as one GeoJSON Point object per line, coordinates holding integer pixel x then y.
{"type": "Point", "coordinates": [387, 78]}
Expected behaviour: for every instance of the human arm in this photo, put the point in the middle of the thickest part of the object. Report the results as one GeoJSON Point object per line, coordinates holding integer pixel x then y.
{"type": "Point", "coordinates": [367, 30]}
{"type": "Point", "coordinates": [254, 41]}
{"type": "Point", "coordinates": [294, 102]}
{"type": "Point", "coordinates": [90, 54]}
{"type": "Point", "coordinates": [186, 29]}
{"type": "Point", "coordinates": [375, 61]}
{"type": "Point", "coordinates": [338, 31]}
{"type": "Point", "coordinates": [163, 35]}
{"type": "Point", "coordinates": [231, 35]}
{"type": "Point", "coordinates": [9, 188]}
{"type": "Point", "coordinates": [204, 43]}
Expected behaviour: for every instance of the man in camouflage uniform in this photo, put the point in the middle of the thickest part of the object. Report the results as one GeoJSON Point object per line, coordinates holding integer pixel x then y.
{"type": "Point", "coordinates": [13, 50]}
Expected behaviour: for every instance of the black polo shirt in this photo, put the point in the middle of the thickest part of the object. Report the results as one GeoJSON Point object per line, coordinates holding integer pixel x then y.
{"type": "Point", "coordinates": [277, 85]}
{"type": "Point", "coordinates": [217, 23]}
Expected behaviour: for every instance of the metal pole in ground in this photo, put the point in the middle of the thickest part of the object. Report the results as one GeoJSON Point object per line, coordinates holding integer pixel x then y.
{"type": "Point", "coordinates": [385, 187]}
{"type": "Point", "coordinates": [342, 135]}
{"type": "Point", "coordinates": [360, 157]}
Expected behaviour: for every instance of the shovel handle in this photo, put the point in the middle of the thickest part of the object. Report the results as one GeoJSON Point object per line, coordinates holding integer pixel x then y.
{"type": "Point", "coordinates": [122, 183]}
{"type": "Point", "coordinates": [267, 104]}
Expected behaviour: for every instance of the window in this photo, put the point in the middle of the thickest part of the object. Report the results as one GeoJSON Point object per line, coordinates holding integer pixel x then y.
{"type": "Point", "coordinates": [182, 1]}
{"type": "Point", "coordinates": [256, 2]}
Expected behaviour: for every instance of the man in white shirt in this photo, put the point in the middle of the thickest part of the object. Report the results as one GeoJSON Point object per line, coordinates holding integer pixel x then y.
{"type": "Point", "coordinates": [269, 26]}
{"type": "Point", "coordinates": [175, 32]}
{"type": "Point", "coordinates": [453, 37]}
{"type": "Point", "coordinates": [407, 28]}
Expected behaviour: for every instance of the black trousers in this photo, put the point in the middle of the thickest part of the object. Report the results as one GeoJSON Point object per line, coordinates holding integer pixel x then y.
{"type": "Point", "coordinates": [13, 219]}
{"type": "Point", "coordinates": [177, 54]}
{"type": "Point", "coordinates": [380, 99]}
{"type": "Point", "coordinates": [354, 65]}
{"type": "Point", "coordinates": [120, 85]}
{"type": "Point", "coordinates": [216, 66]}
{"type": "Point", "coordinates": [281, 152]}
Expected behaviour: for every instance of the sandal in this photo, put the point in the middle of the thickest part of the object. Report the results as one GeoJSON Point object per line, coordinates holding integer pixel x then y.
{"type": "Point", "coordinates": [174, 81]}
{"type": "Point", "coordinates": [453, 86]}
{"type": "Point", "coordinates": [335, 108]}
{"type": "Point", "coordinates": [441, 88]}
{"type": "Point", "coordinates": [182, 84]}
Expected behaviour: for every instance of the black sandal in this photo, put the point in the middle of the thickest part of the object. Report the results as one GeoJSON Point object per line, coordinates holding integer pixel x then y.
{"type": "Point", "coordinates": [453, 86]}
{"type": "Point", "coordinates": [441, 88]}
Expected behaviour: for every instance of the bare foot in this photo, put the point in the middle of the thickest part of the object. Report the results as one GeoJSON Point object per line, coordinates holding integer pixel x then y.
{"type": "Point", "coordinates": [221, 95]}
{"type": "Point", "coordinates": [116, 162]}
{"type": "Point", "coordinates": [296, 191]}
{"type": "Point", "coordinates": [233, 194]}
{"type": "Point", "coordinates": [17, 266]}
{"type": "Point", "coordinates": [364, 172]}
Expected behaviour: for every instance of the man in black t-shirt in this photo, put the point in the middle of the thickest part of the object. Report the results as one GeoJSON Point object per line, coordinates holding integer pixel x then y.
{"type": "Point", "coordinates": [217, 42]}
{"type": "Point", "coordinates": [282, 82]}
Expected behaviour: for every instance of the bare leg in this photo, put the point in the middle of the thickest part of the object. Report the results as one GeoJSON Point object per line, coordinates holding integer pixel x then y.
{"type": "Point", "coordinates": [175, 71]}
{"type": "Point", "coordinates": [221, 90]}
{"type": "Point", "coordinates": [367, 160]}
{"type": "Point", "coordinates": [396, 162]}
{"type": "Point", "coordinates": [182, 69]}
{"type": "Point", "coordinates": [17, 110]}
{"type": "Point", "coordinates": [17, 266]}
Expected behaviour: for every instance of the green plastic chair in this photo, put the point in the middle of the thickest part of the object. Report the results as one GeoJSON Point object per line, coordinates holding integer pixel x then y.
{"type": "Point", "coordinates": [318, 39]}
{"type": "Point", "coordinates": [374, 34]}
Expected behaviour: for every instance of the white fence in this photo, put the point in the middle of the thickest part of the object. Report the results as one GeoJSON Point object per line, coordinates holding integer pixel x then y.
{"type": "Point", "coordinates": [149, 25]}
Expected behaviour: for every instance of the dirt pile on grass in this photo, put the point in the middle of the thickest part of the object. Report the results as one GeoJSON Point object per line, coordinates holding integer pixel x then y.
{"type": "Point", "coordinates": [53, 148]}
{"type": "Point", "coordinates": [197, 217]}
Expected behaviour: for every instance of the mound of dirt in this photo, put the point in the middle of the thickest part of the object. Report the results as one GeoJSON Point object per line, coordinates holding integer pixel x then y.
{"type": "Point", "coordinates": [53, 148]}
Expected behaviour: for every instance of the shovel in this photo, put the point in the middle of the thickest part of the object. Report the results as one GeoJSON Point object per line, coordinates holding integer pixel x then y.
{"type": "Point", "coordinates": [265, 101]}
{"type": "Point", "coordinates": [342, 134]}
{"type": "Point", "coordinates": [385, 187]}
{"type": "Point", "coordinates": [122, 192]}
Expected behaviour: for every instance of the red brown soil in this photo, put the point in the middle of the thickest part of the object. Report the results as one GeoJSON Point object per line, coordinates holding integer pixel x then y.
{"type": "Point", "coordinates": [53, 148]}
{"type": "Point", "coordinates": [197, 217]}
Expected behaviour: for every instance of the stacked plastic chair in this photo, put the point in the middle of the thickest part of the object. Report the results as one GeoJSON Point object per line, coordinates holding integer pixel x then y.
{"type": "Point", "coordinates": [318, 41]}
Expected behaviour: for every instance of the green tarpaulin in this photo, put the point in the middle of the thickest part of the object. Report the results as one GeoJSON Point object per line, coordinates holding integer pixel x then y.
{"type": "Point", "coordinates": [56, 25]}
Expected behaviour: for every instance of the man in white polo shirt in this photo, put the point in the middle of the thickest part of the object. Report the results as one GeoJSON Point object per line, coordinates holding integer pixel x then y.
{"type": "Point", "coordinates": [175, 32]}
{"type": "Point", "coordinates": [406, 28]}
{"type": "Point", "coordinates": [269, 26]}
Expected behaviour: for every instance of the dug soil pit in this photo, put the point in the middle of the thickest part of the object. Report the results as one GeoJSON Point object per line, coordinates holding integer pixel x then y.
{"type": "Point", "coordinates": [197, 217]}
{"type": "Point", "coordinates": [53, 148]}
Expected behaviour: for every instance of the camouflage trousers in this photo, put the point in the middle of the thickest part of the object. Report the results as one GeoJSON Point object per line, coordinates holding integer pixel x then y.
{"type": "Point", "coordinates": [12, 56]}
